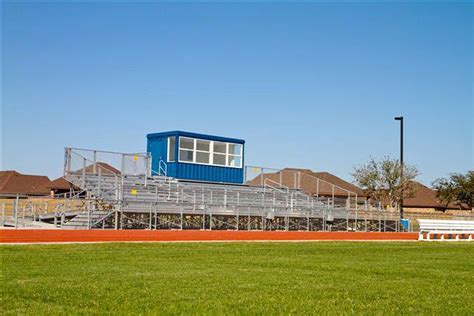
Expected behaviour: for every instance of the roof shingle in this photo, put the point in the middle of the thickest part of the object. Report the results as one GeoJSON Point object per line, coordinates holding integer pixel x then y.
{"type": "Point", "coordinates": [12, 182]}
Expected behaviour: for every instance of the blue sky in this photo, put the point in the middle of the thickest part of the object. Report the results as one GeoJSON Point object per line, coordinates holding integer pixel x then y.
{"type": "Point", "coordinates": [313, 85]}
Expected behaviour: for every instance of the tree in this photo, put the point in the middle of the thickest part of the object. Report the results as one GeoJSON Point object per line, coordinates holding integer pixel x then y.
{"type": "Point", "coordinates": [381, 180]}
{"type": "Point", "coordinates": [458, 189]}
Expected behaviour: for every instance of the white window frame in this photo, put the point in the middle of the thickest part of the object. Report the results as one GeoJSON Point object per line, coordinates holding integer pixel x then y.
{"type": "Point", "coordinates": [187, 149]}
{"type": "Point", "coordinates": [202, 151]}
{"type": "Point", "coordinates": [171, 149]}
{"type": "Point", "coordinates": [211, 153]}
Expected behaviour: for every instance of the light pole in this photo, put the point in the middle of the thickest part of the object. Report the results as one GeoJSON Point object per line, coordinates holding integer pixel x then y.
{"type": "Point", "coordinates": [400, 118]}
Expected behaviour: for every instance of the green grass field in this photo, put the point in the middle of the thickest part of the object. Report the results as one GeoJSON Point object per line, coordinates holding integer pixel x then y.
{"type": "Point", "coordinates": [239, 278]}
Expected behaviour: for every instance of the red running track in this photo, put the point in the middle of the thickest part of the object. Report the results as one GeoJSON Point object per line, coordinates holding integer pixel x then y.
{"type": "Point", "coordinates": [54, 236]}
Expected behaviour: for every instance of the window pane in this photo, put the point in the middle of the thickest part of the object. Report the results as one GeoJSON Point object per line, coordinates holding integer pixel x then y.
{"type": "Point", "coordinates": [203, 145]}
{"type": "Point", "coordinates": [186, 143]}
{"type": "Point", "coordinates": [235, 149]}
{"type": "Point", "coordinates": [202, 157]}
{"type": "Point", "coordinates": [219, 159]}
{"type": "Point", "coordinates": [186, 155]}
{"type": "Point", "coordinates": [171, 146]}
{"type": "Point", "coordinates": [235, 161]}
{"type": "Point", "coordinates": [220, 147]}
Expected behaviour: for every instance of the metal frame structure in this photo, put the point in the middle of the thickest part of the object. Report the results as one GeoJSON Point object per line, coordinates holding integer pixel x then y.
{"type": "Point", "coordinates": [130, 197]}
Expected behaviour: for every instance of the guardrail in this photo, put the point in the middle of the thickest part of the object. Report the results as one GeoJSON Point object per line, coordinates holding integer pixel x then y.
{"type": "Point", "coordinates": [80, 160]}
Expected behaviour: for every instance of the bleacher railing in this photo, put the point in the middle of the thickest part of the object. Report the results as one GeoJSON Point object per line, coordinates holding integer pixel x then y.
{"type": "Point", "coordinates": [81, 161]}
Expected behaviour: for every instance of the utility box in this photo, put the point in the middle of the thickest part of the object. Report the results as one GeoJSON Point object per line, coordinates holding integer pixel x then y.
{"type": "Point", "coordinates": [197, 157]}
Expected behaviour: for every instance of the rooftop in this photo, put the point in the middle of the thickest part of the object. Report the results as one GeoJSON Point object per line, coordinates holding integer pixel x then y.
{"type": "Point", "coordinates": [195, 135]}
{"type": "Point", "coordinates": [13, 182]}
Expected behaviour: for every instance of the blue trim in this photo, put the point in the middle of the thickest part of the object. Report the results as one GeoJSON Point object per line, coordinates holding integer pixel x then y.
{"type": "Point", "coordinates": [195, 135]}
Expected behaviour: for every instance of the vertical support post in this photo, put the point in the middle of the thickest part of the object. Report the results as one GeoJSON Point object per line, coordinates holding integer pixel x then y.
{"type": "Point", "coordinates": [333, 195]}
{"type": "Point", "coordinates": [238, 219]}
{"type": "Point", "coordinates": [67, 160]}
{"type": "Point", "coordinates": [148, 165]}
{"type": "Point", "coordinates": [3, 214]}
{"type": "Point", "coordinates": [225, 197]}
{"type": "Point", "coordinates": [121, 216]}
{"type": "Point", "coordinates": [83, 173]}
{"type": "Point", "coordinates": [23, 215]}
{"type": "Point", "coordinates": [204, 217]}
{"type": "Point", "coordinates": [117, 189]}
{"type": "Point", "coordinates": [356, 228]}
{"type": "Point", "coordinates": [324, 219]}
{"type": "Point", "coordinates": [151, 217]}
{"type": "Point", "coordinates": [400, 118]}
{"type": "Point", "coordinates": [16, 210]}
{"type": "Point", "coordinates": [146, 173]}
{"type": "Point", "coordinates": [94, 168]}
{"type": "Point", "coordinates": [248, 223]}
{"type": "Point", "coordinates": [365, 216]}
{"type": "Point", "coordinates": [156, 217]}
{"type": "Point", "coordinates": [210, 219]}
{"type": "Point", "coordinates": [384, 221]}
{"type": "Point", "coordinates": [401, 169]}
{"type": "Point", "coordinates": [88, 211]}
{"type": "Point", "coordinates": [349, 200]}
{"type": "Point", "coordinates": [347, 220]}
{"type": "Point", "coordinates": [116, 219]}
{"type": "Point", "coordinates": [122, 165]}
{"type": "Point", "coordinates": [99, 186]}
{"type": "Point", "coordinates": [380, 221]}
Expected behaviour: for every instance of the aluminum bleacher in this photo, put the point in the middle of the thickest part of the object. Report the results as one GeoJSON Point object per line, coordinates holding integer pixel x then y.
{"type": "Point", "coordinates": [126, 195]}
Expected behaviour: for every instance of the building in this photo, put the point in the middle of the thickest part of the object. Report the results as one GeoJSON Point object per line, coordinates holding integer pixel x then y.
{"type": "Point", "coordinates": [426, 199]}
{"type": "Point", "coordinates": [13, 183]}
{"type": "Point", "coordinates": [60, 186]}
{"type": "Point", "coordinates": [197, 157]}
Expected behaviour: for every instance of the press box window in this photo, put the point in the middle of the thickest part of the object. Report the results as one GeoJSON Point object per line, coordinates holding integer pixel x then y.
{"type": "Point", "coordinates": [235, 149]}
{"type": "Point", "coordinates": [186, 155]}
{"type": "Point", "coordinates": [235, 161]}
{"type": "Point", "coordinates": [186, 143]}
{"type": "Point", "coordinates": [203, 153]}
{"type": "Point", "coordinates": [214, 153]}
{"type": "Point", "coordinates": [219, 159]}
{"type": "Point", "coordinates": [202, 157]}
{"type": "Point", "coordinates": [220, 147]}
{"type": "Point", "coordinates": [186, 149]}
{"type": "Point", "coordinates": [171, 146]}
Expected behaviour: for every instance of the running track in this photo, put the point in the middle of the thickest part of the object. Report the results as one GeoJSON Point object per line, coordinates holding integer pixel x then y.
{"type": "Point", "coordinates": [55, 236]}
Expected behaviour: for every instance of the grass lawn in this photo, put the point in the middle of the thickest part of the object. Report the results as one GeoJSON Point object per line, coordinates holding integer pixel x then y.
{"type": "Point", "coordinates": [239, 278]}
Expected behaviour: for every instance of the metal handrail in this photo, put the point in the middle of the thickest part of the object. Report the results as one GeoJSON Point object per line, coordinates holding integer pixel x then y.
{"type": "Point", "coordinates": [70, 151]}
{"type": "Point", "coordinates": [144, 154]}
{"type": "Point", "coordinates": [265, 182]}
{"type": "Point", "coordinates": [162, 166]}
